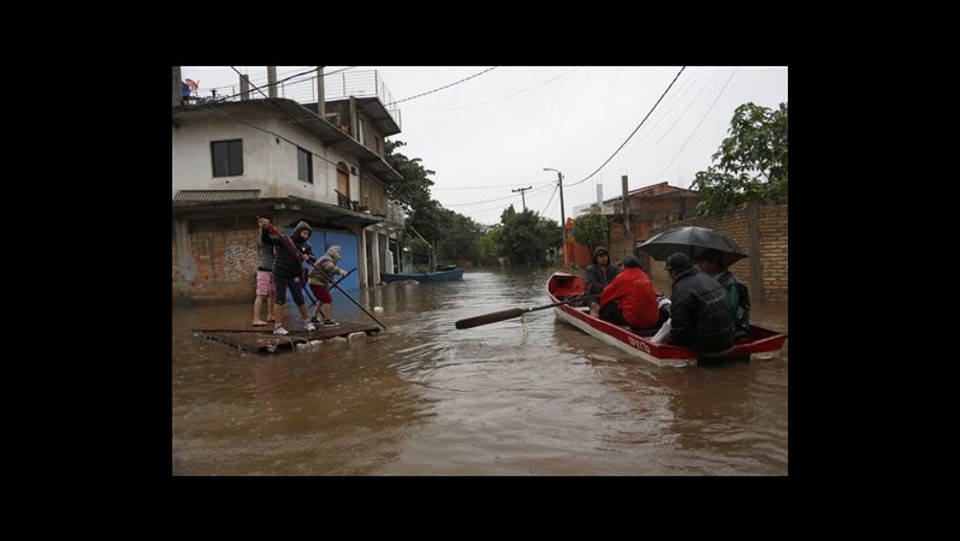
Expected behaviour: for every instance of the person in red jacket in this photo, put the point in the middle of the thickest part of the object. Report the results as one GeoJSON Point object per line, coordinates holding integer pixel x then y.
{"type": "Point", "coordinates": [629, 299]}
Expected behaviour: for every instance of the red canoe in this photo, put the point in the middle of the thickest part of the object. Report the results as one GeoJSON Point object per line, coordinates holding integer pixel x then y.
{"type": "Point", "coordinates": [760, 344]}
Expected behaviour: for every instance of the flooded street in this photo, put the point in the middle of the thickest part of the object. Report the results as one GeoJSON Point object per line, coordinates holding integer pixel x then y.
{"type": "Point", "coordinates": [530, 396]}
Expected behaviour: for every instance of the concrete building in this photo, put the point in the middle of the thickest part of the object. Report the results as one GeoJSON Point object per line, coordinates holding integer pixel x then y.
{"type": "Point", "coordinates": [319, 161]}
{"type": "Point", "coordinates": [650, 208]}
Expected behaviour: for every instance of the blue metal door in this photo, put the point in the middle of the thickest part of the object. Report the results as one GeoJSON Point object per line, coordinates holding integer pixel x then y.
{"type": "Point", "coordinates": [321, 239]}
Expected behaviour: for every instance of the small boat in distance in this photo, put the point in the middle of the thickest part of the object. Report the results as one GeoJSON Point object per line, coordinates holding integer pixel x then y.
{"type": "Point", "coordinates": [760, 343]}
{"type": "Point", "coordinates": [442, 274]}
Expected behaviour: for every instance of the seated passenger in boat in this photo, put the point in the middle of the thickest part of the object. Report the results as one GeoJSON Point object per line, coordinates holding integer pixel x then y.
{"type": "Point", "coordinates": [629, 299]}
{"type": "Point", "coordinates": [601, 272]}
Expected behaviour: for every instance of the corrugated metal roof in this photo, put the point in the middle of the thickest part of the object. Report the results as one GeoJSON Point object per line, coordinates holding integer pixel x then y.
{"type": "Point", "coordinates": [216, 195]}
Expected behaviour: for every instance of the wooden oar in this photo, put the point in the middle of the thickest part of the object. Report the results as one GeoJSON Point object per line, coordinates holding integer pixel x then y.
{"type": "Point", "coordinates": [485, 319]}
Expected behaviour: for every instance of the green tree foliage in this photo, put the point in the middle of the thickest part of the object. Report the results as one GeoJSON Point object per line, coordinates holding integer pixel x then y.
{"type": "Point", "coordinates": [453, 235]}
{"type": "Point", "coordinates": [413, 192]}
{"type": "Point", "coordinates": [460, 237]}
{"type": "Point", "coordinates": [487, 245]}
{"type": "Point", "coordinates": [591, 229]}
{"type": "Point", "coordinates": [525, 237]}
{"type": "Point", "coordinates": [750, 164]}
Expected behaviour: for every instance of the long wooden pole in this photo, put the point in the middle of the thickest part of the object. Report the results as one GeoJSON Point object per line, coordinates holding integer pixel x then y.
{"type": "Point", "coordinates": [289, 244]}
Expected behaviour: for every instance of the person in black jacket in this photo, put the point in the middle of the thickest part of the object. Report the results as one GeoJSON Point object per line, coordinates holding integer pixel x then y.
{"type": "Point", "coordinates": [738, 296]}
{"type": "Point", "coordinates": [286, 272]}
{"type": "Point", "coordinates": [601, 272]}
{"type": "Point", "coordinates": [700, 318]}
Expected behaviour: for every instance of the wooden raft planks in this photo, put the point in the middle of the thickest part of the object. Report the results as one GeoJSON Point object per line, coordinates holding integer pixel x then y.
{"type": "Point", "coordinates": [262, 339]}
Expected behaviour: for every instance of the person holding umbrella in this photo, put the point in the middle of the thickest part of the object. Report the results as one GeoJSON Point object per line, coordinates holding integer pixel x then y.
{"type": "Point", "coordinates": [700, 318]}
{"type": "Point", "coordinates": [711, 261]}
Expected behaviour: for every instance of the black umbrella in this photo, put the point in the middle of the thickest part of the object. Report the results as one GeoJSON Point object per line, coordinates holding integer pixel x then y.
{"type": "Point", "coordinates": [692, 240]}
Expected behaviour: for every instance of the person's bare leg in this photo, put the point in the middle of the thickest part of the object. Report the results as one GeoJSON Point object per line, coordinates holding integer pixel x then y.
{"type": "Point", "coordinates": [272, 300]}
{"type": "Point", "coordinates": [327, 310]}
{"type": "Point", "coordinates": [594, 309]}
{"type": "Point", "coordinates": [257, 304]}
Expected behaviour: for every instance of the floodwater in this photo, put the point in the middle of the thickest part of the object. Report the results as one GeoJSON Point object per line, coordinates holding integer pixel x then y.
{"type": "Point", "coordinates": [528, 396]}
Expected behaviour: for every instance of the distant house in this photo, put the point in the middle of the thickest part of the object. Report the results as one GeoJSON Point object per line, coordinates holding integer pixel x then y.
{"type": "Point", "coordinates": [238, 158]}
{"type": "Point", "coordinates": [651, 207]}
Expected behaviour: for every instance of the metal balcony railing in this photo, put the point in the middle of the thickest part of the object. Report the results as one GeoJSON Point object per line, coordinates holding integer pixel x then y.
{"type": "Point", "coordinates": [336, 86]}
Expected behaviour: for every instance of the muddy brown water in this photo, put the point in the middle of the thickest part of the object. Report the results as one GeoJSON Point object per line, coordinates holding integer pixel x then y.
{"type": "Point", "coordinates": [529, 396]}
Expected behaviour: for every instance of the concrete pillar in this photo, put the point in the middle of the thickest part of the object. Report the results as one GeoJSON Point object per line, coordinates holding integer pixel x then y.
{"type": "Point", "coordinates": [376, 258]}
{"type": "Point", "coordinates": [321, 100]}
{"type": "Point", "coordinates": [753, 233]}
{"type": "Point", "coordinates": [272, 81]}
{"type": "Point", "coordinates": [177, 86]}
{"type": "Point", "coordinates": [353, 118]}
{"type": "Point", "coordinates": [244, 88]}
{"type": "Point", "coordinates": [626, 211]}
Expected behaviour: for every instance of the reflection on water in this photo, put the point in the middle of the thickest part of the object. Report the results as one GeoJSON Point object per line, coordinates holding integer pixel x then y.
{"type": "Point", "coordinates": [529, 396]}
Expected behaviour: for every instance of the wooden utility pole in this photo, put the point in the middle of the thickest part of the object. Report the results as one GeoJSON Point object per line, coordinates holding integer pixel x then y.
{"type": "Point", "coordinates": [522, 197]}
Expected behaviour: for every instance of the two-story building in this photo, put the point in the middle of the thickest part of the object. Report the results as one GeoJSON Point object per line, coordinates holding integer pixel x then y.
{"type": "Point", "coordinates": [651, 207]}
{"type": "Point", "coordinates": [237, 158]}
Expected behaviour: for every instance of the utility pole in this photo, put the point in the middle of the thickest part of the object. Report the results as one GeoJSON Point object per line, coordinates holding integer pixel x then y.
{"type": "Point", "coordinates": [522, 197]}
{"type": "Point", "coordinates": [563, 215]}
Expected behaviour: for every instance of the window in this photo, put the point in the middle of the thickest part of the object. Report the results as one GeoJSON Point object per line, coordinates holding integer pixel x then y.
{"type": "Point", "coordinates": [227, 158]}
{"type": "Point", "coordinates": [304, 165]}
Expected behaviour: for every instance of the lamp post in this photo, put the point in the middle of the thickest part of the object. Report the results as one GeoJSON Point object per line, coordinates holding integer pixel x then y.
{"type": "Point", "coordinates": [563, 216]}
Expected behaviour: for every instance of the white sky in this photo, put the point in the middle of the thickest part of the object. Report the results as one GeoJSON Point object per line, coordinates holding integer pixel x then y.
{"type": "Point", "coordinates": [497, 131]}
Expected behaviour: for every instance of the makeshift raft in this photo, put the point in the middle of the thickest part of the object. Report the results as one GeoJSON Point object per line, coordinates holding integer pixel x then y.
{"type": "Point", "coordinates": [262, 339]}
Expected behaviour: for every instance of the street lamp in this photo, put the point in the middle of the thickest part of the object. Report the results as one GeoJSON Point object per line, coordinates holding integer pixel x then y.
{"type": "Point", "coordinates": [563, 216]}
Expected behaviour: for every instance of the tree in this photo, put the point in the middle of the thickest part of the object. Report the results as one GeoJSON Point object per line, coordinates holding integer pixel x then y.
{"type": "Point", "coordinates": [526, 237]}
{"type": "Point", "coordinates": [459, 240]}
{"type": "Point", "coordinates": [487, 246]}
{"type": "Point", "coordinates": [413, 191]}
{"type": "Point", "coordinates": [750, 164]}
{"type": "Point", "coordinates": [591, 229]}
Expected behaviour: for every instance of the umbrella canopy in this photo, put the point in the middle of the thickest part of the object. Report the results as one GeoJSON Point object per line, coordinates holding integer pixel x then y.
{"type": "Point", "coordinates": [692, 240]}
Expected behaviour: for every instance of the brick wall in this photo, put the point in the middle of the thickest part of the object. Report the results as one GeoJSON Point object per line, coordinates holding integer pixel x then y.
{"type": "Point", "coordinates": [767, 243]}
{"type": "Point", "coordinates": [214, 260]}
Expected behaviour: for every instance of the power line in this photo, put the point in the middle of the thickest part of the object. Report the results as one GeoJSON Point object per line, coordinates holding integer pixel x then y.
{"type": "Point", "coordinates": [634, 130]}
{"type": "Point", "coordinates": [491, 186]}
{"type": "Point", "coordinates": [488, 200]}
{"type": "Point", "coordinates": [495, 99]}
{"type": "Point", "coordinates": [441, 88]}
{"type": "Point", "coordinates": [704, 117]}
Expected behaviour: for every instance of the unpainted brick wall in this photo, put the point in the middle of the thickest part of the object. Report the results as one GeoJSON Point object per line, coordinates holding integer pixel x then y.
{"type": "Point", "coordinates": [772, 246]}
{"type": "Point", "coordinates": [216, 262]}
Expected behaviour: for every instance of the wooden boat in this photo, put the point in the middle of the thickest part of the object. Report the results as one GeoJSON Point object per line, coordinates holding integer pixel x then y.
{"type": "Point", "coordinates": [453, 273]}
{"type": "Point", "coordinates": [760, 343]}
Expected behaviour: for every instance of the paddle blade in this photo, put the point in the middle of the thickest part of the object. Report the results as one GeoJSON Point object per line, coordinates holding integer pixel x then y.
{"type": "Point", "coordinates": [485, 319]}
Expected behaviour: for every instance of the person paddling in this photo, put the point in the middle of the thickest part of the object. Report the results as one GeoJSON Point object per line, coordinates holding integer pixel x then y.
{"type": "Point", "coordinates": [286, 271]}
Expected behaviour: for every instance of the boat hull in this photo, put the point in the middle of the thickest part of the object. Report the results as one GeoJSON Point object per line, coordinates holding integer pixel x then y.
{"type": "Point", "coordinates": [437, 276]}
{"type": "Point", "coordinates": [762, 343]}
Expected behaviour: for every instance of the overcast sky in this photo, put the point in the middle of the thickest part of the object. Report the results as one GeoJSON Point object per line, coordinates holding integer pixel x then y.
{"type": "Point", "coordinates": [497, 131]}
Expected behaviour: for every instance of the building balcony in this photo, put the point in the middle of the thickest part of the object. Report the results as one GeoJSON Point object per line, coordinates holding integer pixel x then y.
{"type": "Point", "coordinates": [336, 86]}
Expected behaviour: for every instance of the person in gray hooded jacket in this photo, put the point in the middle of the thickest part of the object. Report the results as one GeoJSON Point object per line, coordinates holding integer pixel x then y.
{"type": "Point", "coordinates": [286, 272]}
{"type": "Point", "coordinates": [601, 272]}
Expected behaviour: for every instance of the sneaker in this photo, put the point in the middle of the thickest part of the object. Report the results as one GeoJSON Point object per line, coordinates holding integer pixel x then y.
{"type": "Point", "coordinates": [330, 323]}
{"type": "Point", "coordinates": [310, 327]}
{"type": "Point", "coordinates": [314, 320]}
{"type": "Point", "coordinates": [281, 331]}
